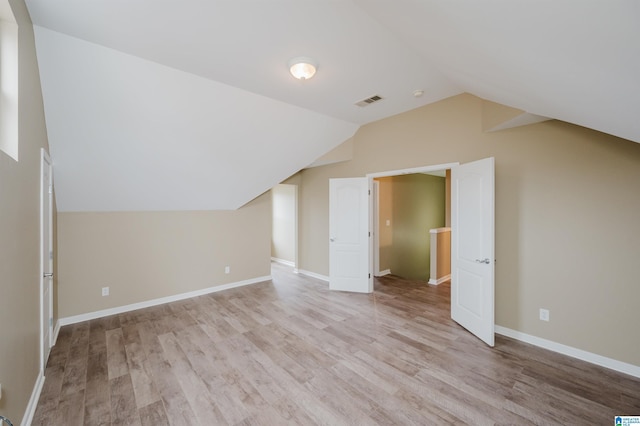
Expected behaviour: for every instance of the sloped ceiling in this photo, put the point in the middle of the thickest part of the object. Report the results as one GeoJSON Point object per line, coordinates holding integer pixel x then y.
{"type": "Point", "coordinates": [188, 105]}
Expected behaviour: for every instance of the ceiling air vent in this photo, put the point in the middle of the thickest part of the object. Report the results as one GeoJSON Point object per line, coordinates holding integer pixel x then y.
{"type": "Point", "coordinates": [369, 101]}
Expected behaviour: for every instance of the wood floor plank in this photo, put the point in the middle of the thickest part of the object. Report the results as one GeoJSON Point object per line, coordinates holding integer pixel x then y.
{"type": "Point", "coordinates": [191, 383]}
{"type": "Point", "coordinates": [116, 356]}
{"type": "Point", "coordinates": [153, 415]}
{"type": "Point", "coordinates": [97, 405]}
{"type": "Point", "coordinates": [70, 411]}
{"type": "Point", "coordinates": [290, 351]}
{"type": "Point", "coordinates": [143, 386]}
{"type": "Point", "coordinates": [123, 402]}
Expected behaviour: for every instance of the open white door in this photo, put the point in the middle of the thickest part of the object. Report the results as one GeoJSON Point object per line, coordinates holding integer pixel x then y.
{"type": "Point", "coordinates": [46, 259]}
{"type": "Point", "coordinates": [472, 247]}
{"type": "Point", "coordinates": [349, 235]}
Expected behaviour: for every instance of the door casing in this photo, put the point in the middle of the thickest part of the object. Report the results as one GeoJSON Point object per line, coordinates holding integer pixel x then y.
{"type": "Point", "coordinates": [46, 257]}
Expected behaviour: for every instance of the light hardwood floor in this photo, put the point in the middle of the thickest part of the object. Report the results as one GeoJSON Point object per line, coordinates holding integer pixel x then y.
{"type": "Point", "coordinates": [288, 351]}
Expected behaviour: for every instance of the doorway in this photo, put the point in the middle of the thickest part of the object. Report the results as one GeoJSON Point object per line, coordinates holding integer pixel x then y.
{"type": "Point", "coordinates": [472, 242]}
{"type": "Point", "coordinates": [284, 235]}
{"type": "Point", "coordinates": [407, 208]}
{"type": "Point", "coordinates": [380, 222]}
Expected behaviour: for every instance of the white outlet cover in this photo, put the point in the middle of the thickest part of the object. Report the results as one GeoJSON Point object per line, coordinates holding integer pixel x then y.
{"type": "Point", "coordinates": [544, 314]}
{"type": "Point", "coordinates": [105, 291]}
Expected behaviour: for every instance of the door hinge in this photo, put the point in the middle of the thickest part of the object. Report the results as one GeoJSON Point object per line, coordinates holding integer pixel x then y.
{"type": "Point", "coordinates": [369, 192]}
{"type": "Point", "coordinates": [50, 189]}
{"type": "Point", "coordinates": [369, 276]}
{"type": "Point", "coordinates": [369, 234]}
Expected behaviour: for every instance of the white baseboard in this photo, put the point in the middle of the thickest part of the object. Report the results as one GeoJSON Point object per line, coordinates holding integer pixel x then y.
{"type": "Point", "coordinates": [439, 280]}
{"type": "Point", "coordinates": [284, 262]}
{"type": "Point", "coordinates": [383, 273]}
{"type": "Point", "coordinates": [623, 367]}
{"type": "Point", "coordinates": [313, 275]}
{"type": "Point", "coordinates": [56, 331]}
{"type": "Point", "coordinates": [126, 308]}
{"type": "Point", "coordinates": [33, 401]}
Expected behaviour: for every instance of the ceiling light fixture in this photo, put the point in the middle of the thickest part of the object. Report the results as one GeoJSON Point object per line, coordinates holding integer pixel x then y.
{"type": "Point", "coordinates": [302, 68]}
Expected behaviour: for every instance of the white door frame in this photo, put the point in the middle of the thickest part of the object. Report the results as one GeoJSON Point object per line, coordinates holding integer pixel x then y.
{"type": "Point", "coordinates": [46, 264]}
{"type": "Point", "coordinates": [373, 206]}
{"type": "Point", "coordinates": [375, 226]}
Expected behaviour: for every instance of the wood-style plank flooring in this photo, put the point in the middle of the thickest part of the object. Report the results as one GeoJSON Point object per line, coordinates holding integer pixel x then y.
{"type": "Point", "coordinates": [288, 351]}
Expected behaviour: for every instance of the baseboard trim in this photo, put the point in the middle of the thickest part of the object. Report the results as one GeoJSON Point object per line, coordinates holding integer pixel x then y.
{"type": "Point", "coordinates": [313, 275]}
{"type": "Point", "coordinates": [154, 302]}
{"type": "Point", "coordinates": [439, 280]}
{"type": "Point", "coordinates": [383, 273]}
{"type": "Point", "coordinates": [602, 361]}
{"type": "Point", "coordinates": [56, 331]}
{"type": "Point", "coordinates": [284, 262]}
{"type": "Point", "coordinates": [33, 401]}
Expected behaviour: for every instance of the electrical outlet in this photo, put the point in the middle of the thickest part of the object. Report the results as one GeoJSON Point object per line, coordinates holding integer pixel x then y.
{"type": "Point", "coordinates": [544, 314]}
{"type": "Point", "coordinates": [105, 291]}
{"type": "Point", "coordinates": [227, 269]}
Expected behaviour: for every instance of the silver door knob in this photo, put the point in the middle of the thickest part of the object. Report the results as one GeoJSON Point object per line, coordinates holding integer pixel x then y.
{"type": "Point", "coordinates": [486, 260]}
{"type": "Point", "coordinates": [332, 239]}
{"type": "Point", "coordinates": [48, 275]}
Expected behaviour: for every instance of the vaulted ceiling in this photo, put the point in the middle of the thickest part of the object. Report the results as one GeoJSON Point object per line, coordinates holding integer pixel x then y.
{"type": "Point", "coordinates": [188, 105]}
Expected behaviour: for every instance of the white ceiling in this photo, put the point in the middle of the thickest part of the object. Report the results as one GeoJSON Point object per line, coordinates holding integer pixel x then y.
{"type": "Point", "coordinates": [182, 105]}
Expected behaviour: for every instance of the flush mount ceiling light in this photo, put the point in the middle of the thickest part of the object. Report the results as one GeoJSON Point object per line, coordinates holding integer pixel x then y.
{"type": "Point", "coordinates": [302, 68]}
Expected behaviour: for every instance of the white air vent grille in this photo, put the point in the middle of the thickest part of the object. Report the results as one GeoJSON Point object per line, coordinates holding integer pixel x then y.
{"type": "Point", "coordinates": [369, 101]}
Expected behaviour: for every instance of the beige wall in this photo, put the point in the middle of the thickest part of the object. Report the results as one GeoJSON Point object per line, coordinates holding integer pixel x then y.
{"type": "Point", "coordinates": [385, 232]}
{"type": "Point", "coordinates": [442, 242]}
{"type": "Point", "coordinates": [20, 235]}
{"type": "Point", "coordinates": [567, 227]}
{"type": "Point", "coordinates": [147, 255]}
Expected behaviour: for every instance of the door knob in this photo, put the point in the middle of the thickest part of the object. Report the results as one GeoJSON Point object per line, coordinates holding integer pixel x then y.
{"type": "Point", "coordinates": [48, 275]}
{"type": "Point", "coordinates": [332, 239]}
{"type": "Point", "coordinates": [485, 260]}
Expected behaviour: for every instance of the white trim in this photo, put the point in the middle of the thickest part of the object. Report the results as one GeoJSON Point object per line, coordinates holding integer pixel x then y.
{"type": "Point", "coordinates": [602, 361]}
{"type": "Point", "coordinates": [45, 164]}
{"type": "Point", "coordinates": [375, 232]}
{"type": "Point", "coordinates": [383, 273]}
{"type": "Point", "coordinates": [284, 262]}
{"type": "Point", "coordinates": [439, 280]}
{"type": "Point", "coordinates": [439, 230]}
{"type": "Point", "coordinates": [56, 331]}
{"type": "Point", "coordinates": [33, 401]}
{"type": "Point", "coordinates": [154, 302]}
{"type": "Point", "coordinates": [313, 275]}
{"type": "Point", "coordinates": [422, 169]}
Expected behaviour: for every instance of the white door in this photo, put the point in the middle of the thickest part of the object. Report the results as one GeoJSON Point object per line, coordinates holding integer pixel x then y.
{"type": "Point", "coordinates": [46, 302]}
{"type": "Point", "coordinates": [349, 235]}
{"type": "Point", "coordinates": [472, 247]}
